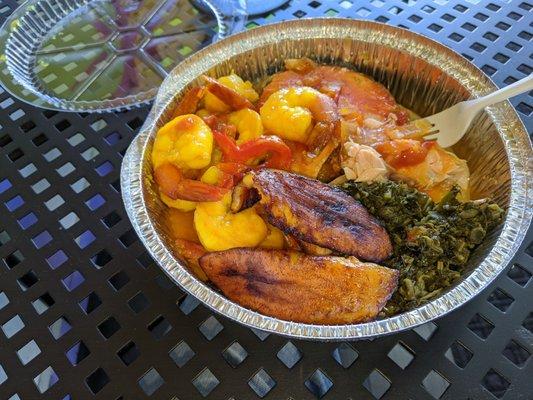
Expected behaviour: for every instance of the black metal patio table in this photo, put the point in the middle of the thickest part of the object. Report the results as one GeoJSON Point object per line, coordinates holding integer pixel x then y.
{"type": "Point", "coordinates": [85, 313]}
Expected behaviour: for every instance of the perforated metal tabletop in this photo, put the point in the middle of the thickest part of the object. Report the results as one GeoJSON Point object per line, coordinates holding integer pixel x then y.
{"type": "Point", "coordinates": [85, 313]}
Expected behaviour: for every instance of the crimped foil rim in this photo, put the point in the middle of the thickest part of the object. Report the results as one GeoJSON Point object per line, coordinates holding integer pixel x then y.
{"type": "Point", "coordinates": [512, 132]}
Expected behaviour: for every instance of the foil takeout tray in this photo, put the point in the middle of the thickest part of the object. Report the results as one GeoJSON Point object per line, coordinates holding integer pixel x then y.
{"type": "Point", "coordinates": [423, 75]}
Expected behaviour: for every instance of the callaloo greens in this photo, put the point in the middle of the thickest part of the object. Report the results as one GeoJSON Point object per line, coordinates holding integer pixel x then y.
{"type": "Point", "coordinates": [432, 241]}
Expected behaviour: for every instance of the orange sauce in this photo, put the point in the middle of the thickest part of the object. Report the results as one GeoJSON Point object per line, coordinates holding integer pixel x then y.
{"type": "Point", "coordinates": [181, 224]}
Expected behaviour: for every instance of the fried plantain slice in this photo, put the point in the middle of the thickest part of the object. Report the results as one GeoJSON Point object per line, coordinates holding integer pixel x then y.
{"type": "Point", "coordinates": [297, 287]}
{"type": "Point", "coordinates": [320, 214]}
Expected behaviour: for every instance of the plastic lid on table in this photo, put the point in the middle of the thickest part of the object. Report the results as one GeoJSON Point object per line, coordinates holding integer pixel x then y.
{"type": "Point", "coordinates": [102, 55]}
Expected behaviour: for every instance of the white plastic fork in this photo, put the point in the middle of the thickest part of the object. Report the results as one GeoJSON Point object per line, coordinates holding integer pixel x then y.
{"type": "Point", "coordinates": [450, 125]}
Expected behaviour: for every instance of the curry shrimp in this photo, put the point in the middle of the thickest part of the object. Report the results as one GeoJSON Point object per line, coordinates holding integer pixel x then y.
{"type": "Point", "coordinates": [243, 169]}
{"type": "Point", "coordinates": [291, 113]}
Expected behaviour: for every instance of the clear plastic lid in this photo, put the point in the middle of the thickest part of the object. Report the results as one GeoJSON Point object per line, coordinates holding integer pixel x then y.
{"type": "Point", "coordinates": [87, 55]}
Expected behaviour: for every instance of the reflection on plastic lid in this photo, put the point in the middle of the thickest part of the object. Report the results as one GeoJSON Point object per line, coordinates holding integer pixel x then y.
{"type": "Point", "coordinates": [96, 55]}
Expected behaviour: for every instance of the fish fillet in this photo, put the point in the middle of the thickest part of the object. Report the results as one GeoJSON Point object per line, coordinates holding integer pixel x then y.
{"type": "Point", "coordinates": [297, 287]}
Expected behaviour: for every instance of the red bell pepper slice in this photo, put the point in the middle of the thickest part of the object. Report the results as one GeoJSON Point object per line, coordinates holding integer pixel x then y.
{"type": "Point", "coordinates": [278, 153]}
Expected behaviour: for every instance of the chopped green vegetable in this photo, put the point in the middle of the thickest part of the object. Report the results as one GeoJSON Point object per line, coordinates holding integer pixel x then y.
{"type": "Point", "coordinates": [432, 242]}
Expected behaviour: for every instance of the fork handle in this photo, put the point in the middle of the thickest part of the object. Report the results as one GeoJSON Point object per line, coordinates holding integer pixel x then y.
{"type": "Point", "coordinates": [521, 86]}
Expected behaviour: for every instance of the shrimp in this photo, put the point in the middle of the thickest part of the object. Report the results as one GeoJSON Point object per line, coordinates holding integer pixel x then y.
{"type": "Point", "coordinates": [309, 121]}
{"type": "Point", "coordinates": [189, 103]}
{"type": "Point", "coordinates": [229, 93]}
{"type": "Point", "coordinates": [293, 76]}
{"type": "Point", "coordinates": [281, 80]}
{"type": "Point", "coordinates": [182, 147]}
{"type": "Point", "coordinates": [218, 226]}
{"type": "Point", "coordinates": [289, 113]}
{"type": "Point", "coordinates": [186, 142]}
{"type": "Point", "coordinates": [178, 204]}
{"type": "Point", "coordinates": [355, 94]}
{"type": "Point", "coordinates": [172, 183]}
{"type": "Point", "coordinates": [248, 124]}
{"type": "Point", "coordinates": [220, 229]}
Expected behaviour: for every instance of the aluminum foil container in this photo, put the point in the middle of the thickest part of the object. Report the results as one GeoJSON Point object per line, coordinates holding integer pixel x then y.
{"type": "Point", "coordinates": [423, 75]}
